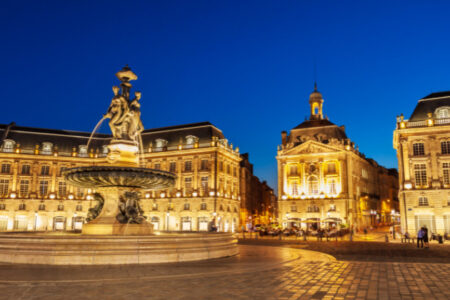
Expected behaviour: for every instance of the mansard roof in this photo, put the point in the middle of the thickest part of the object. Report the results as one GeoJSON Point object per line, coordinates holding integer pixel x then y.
{"type": "Point", "coordinates": [66, 140]}
{"type": "Point", "coordinates": [429, 104]}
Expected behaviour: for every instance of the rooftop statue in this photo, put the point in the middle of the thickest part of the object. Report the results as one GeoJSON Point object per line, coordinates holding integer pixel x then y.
{"type": "Point", "coordinates": [125, 113]}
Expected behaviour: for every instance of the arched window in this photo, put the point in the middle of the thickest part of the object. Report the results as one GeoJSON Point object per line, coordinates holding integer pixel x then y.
{"type": "Point", "coordinates": [82, 151]}
{"type": "Point", "coordinates": [8, 145]}
{"type": "Point", "coordinates": [47, 148]}
{"type": "Point", "coordinates": [313, 185]}
{"type": "Point", "coordinates": [442, 112]}
{"type": "Point", "coordinates": [423, 201]}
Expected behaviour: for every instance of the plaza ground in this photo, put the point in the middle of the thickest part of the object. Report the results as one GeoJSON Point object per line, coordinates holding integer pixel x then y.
{"type": "Point", "coordinates": [265, 269]}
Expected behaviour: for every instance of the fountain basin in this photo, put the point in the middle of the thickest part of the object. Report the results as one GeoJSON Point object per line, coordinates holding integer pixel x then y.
{"type": "Point", "coordinates": [76, 249]}
{"type": "Point", "coordinates": [119, 176]}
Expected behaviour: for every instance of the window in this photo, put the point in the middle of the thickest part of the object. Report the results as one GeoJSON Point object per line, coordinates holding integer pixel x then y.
{"type": "Point", "coordinates": [188, 184]}
{"type": "Point", "coordinates": [173, 166]}
{"type": "Point", "coordinates": [204, 165]}
{"type": "Point", "coordinates": [41, 206]}
{"type": "Point", "coordinates": [423, 201]}
{"type": "Point", "coordinates": [313, 208]}
{"type": "Point", "coordinates": [293, 170]}
{"type": "Point", "coordinates": [234, 171]}
{"type": "Point", "coordinates": [188, 166]}
{"type": "Point", "coordinates": [82, 151]}
{"type": "Point", "coordinates": [294, 187]}
{"type": "Point", "coordinates": [293, 208]}
{"type": "Point", "coordinates": [80, 193]}
{"type": "Point", "coordinates": [186, 224]}
{"type": "Point", "coordinates": [3, 207]}
{"type": "Point", "coordinates": [313, 185]}
{"type": "Point", "coordinates": [442, 113]}
{"type": "Point", "coordinates": [204, 185]}
{"type": "Point", "coordinates": [364, 174]}
{"type": "Point", "coordinates": [160, 144]}
{"type": "Point", "coordinates": [22, 206]}
{"type": "Point", "coordinates": [60, 207]}
{"type": "Point", "coordinates": [158, 166]}
{"type": "Point", "coordinates": [221, 166]}
{"type": "Point", "coordinates": [420, 172]}
{"type": "Point", "coordinates": [418, 149]}
{"type": "Point", "coordinates": [25, 169]}
{"type": "Point", "coordinates": [332, 207]}
{"type": "Point", "coordinates": [187, 206]}
{"type": "Point", "coordinates": [203, 206]}
{"type": "Point", "coordinates": [61, 170]}
{"type": "Point", "coordinates": [47, 148]}
{"type": "Point", "coordinates": [62, 189]}
{"type": "Point", "coordinates": [79, 207]}
{"type": "Point", "coordinates": [170, 206]}
{"type": "Point", "coordinates": [228, 169]}
{"type": "Point", "coordinates": [446, 171]}
{"type": "Point", "coordinates": [43, 187]}
{"type": "Point", "coordinates": [445, 147]}
{"type": "Point", "coordinates": [4, 184]}
{"type": "Point", "coordinates": [6, 168]}
{"type": "Point", "coordinates": [332, 186]}
{"type": "Point", "coordinates": [45, 170]}
{"type": "Point", "coordinates": [8, 146]}
{"type": "Point", "coordinates": [23, 189]}
{"type": "Point", "coordinates": [331, 168]}
{"type": "Point", "coordinates": [155, 206]}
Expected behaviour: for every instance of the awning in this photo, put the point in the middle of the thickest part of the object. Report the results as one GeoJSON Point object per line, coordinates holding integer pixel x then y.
{"type": "Point", "coordinates": [332, 220]}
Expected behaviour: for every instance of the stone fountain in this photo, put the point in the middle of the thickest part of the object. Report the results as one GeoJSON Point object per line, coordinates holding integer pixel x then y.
{"type": "Point", "coordinates": [117, 231]}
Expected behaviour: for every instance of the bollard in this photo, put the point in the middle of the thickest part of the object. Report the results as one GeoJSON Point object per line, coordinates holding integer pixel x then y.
{"type": "Point", "coordinates": [386, 238]}
{"type": "Point", "coordinates": [304, 237]}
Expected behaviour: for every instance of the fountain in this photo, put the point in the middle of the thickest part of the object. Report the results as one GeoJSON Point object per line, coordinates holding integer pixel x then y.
{"type": "Point", "coordinates": [117, 231]}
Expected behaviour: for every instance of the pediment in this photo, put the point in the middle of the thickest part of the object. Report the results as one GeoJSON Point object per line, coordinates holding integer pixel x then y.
{"type": "Point", "coordinates": [311, 147]}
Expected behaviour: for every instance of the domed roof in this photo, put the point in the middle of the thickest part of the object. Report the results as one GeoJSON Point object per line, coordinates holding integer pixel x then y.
{"type": "Point", "coordinates": [315, 96]}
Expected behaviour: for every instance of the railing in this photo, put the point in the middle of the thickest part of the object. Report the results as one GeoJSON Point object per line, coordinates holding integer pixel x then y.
{"type": "Point", "coordinates": [424, 123]}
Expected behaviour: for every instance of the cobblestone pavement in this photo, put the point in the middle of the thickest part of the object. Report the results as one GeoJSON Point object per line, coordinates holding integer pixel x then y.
{"type": "Point", "coordinates": [259, 272]}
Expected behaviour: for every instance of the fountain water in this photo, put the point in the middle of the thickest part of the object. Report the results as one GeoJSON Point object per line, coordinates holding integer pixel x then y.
{"type": "Point", "coordinates": [117, 233]}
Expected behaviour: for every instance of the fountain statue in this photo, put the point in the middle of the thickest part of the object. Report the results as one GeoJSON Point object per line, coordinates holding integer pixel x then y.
{"type": "Point", "coordinates": [120, 181]}
{"type": "Point", "coordinates": [116, 230]}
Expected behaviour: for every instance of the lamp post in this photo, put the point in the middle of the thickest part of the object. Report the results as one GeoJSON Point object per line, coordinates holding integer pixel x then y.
{"type": "Point", "coordinates": [35, 220]}
{"type": "Point", "coordinates": [167, 221]}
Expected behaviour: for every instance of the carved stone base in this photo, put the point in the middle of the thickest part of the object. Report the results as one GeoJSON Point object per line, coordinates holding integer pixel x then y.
{"type": "Point", "coordinates": [123, 153]}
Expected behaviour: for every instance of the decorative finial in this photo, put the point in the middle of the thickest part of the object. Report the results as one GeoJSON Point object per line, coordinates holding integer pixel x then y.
{"type": "Point", "coordinates": [315, 86]}
{"type": "Point", "coordinates": [115, 90]}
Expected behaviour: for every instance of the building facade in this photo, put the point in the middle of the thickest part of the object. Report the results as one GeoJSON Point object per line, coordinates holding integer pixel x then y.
{"type": "Point", "coordinates": [258, 200]}
{"type": "Point", "coordinates": [34, 195]}
{"type": "Point", "coordinates": [423, 152]}
{"type": "Point", "coordinates": [324, 181]}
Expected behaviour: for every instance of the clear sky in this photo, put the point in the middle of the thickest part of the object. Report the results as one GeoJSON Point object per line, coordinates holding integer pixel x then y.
{"type": "Point", "coordinates": [245, 66]}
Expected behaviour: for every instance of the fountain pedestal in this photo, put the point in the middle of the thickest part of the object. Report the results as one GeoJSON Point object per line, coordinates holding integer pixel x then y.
{"type": "Point", "coordinates": [107, 224]}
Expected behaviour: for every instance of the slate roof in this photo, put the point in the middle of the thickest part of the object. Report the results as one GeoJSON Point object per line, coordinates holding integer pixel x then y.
{"type": "Point", "coordinates": [429, 104]}
{"type": "Point", "coordinates": [65, 140]}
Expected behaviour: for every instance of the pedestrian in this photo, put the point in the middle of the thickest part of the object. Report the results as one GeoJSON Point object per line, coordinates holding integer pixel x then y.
{"type": "Point", "coordinates": [425, 236]}
{"type": "Point", "coordinates": [420, 238]}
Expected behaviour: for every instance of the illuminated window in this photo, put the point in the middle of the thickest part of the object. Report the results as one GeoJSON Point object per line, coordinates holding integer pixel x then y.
{"type": "Point", "coordinates": [4, 185]}
{"type": "Point", "coordinates": [155, 206]}
{"type": "Point", "coordinates": [293, 170]}
{"type": "Point", "coordinates": [442, 113]}
{"type": "Point", "coordinates": [188, 185]}
{"type": "Point", "coordinates": [172, 166]}
{"type": "Point", "coordinates": [418, 149]}
{"type": "Point", "coordinates": [62, 189]}
{"type": "Point", "coordinates": [47, 148]}
{"type": "Point", "coordinates": [158, 166]}
{"type": "Point", "coordinates": [445, 147]}
{"type": "Point", "coordinates": [60, 207]}
{"type": "Point", "coordinates": [23, 189]}
{"type": "Point", "coordinates": [204, 185]}
{"type": "Point", "coordinates": [45, 170]}
{"type": "Point", "coordinates": [25, 170]}
{"type": "Point", "coordinates": [331, 168]}
{"type": "Point", "coordinates": [80, 192]}
{"type": "Point", "coordinates": [332, 207]}
{"type": "Point", "coordinates": [228, 169]}
{"type": "Point", "coordinates": [8, 146]}
{"type": "Point", "coordinates": [188, 166]}
{"type": "Point", "coordinates": [313, 208]}
{"type": "Point", "coordinates": [313, 185]}
{"type": "Point", "coordinates": [187, 206]}
{"type": "Point", "coordinates": [79, 207]}
{"type": "Point", "coordinates": [203, 206]}
{"type": "Point", "coordinates": [446, 173]}
{"type": "Point", "coordinates": [204, 165]}
{"type": "Point", "coordinates": [332, 186]}
{"type": "Point", "coordinates": [420, 172]}
{"type": "Point", "coordinates": [82, 151]}
{"type": "Point", "coordinates": [6, 168]}
{"type": "Point", "coordinates": [293, 208]}
{"type": "Point", "coordinates": [221, 166]}
{"type": "Point", "coordinates": [43, 187]}
{"type": "Point", "coordinates": [423, 201]}
{"type": "Point", "coordinates": [294, 188]}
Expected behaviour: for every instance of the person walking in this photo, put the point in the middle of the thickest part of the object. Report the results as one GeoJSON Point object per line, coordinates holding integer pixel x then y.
{"type": "Point", "coordinates": [425, 236]}
{"type": "Point", "coordinates": [420, 238]}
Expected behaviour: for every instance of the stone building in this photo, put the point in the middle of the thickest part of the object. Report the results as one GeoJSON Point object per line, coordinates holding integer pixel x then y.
{"type": "Point", "coordinates": [423, 152]}
{"type": "Point", "coordinates": [258, 200]}
{"type": "Point", "coordinates": [34, 195]}
{"type": "Point", "coordinates": [323, 179]}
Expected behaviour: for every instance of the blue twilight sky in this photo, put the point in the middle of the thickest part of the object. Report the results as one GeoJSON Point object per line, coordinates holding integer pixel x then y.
{"type": "Point", "coordinates": [245, 66]}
